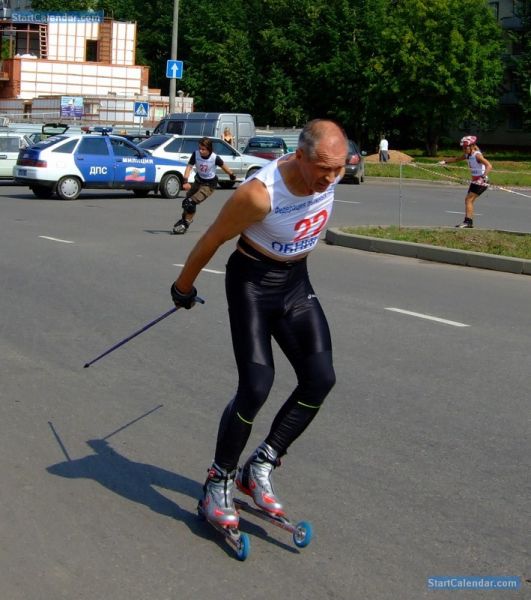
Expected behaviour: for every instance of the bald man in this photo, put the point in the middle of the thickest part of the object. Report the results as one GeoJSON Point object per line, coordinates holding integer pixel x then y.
{"type": "Point", "coordinates": [278, 215]}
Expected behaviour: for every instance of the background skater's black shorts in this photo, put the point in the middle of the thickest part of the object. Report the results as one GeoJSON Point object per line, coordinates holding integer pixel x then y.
{"type": "Point", "coordinates": [477, 188]}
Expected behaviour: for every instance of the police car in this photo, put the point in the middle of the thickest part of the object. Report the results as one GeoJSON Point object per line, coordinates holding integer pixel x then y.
{"type": "Point", "coordinates": [64, 165]}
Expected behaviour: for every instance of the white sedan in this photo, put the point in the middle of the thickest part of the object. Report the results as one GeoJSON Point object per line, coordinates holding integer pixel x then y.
{"type": "Point", "coordinates": [180, 147]}
{"type": "Point", "coordinates": [11, 143]}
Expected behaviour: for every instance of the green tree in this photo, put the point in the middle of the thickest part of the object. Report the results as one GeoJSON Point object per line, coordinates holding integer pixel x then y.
{"type": "Point", "coordinates": [438, 62]}
{"type": "Point", "coordinates": [154, 30]}
{"type": "Point", "coordinates": [307, 61]}
{"type": "Point", "coordinates": [116, 8]}
{"type": "Point", "coordinates": [415, 66]}
{"type": "Point", "coordinates": [217, 54]}
{"type": "Point", "coordinates": [282, 39]}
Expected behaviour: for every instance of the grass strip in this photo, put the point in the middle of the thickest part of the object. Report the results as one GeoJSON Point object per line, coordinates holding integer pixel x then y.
{"type": "Point", "coordinates": [501, 243]}
{"type": "Point", "coordinates": [505, 173]}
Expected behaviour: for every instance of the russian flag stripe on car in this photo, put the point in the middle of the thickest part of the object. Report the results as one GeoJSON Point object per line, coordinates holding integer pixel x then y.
{"type": "Point", "coordinates": [135, 174]}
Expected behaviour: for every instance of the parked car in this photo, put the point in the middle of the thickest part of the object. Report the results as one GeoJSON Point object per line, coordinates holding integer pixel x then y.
{"type": "Point", "coordinates": [65, 165]}
{"type": "Point", "coordinates": [11, 143]}
{"type": "Point", "coordinates": [48, 130]}
{"type": "Point", "coordinates": [180, 147]}
{"type": "Point", "coordinates": [136, 138]}
{"type": "Point", "coordinates": [355, 165]}
{"type": "Point", "coordinates": [266, 146]}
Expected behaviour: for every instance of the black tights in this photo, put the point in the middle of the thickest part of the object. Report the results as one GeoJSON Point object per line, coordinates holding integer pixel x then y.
{"type": "Point", "coordinates": [269, 300]}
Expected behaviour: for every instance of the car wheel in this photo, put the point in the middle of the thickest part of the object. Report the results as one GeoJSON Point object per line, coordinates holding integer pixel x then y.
{"type": "Point", "coordinates": [68, 188]}
{"type": "Point", "coordinates": [226, 185]}
{"type": "Point", "coordinates": [357, 180]}
{"type": "Point", "coordinates": [170, 186]}
{"type": "Point", "coordinates": [252, 171]}
{"type": "Point", "coordinates": [41, 191]}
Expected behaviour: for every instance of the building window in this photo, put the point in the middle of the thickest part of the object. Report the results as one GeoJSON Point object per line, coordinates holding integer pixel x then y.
{"type": "Point", "coordinates": [515, 118]}
{"type": "Point", "coordinates": [91, 51]}
{"type": "Point", "coordinates": [495, 7]}
{"type": "Point", "coordinates": [27, 42]}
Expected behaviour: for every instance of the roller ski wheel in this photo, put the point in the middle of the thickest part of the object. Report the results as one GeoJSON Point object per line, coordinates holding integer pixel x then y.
{"type": "Point", "coordinates": [302, 532]}
{"type": "Point", "coordinates": [237, 540]}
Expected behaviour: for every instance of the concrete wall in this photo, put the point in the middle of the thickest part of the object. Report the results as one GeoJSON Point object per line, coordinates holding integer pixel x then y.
{"type": "Point", "coordinates": [46, 78]}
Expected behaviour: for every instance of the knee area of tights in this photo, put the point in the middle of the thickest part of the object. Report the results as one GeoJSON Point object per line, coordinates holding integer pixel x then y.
{"type": "Point", "coordinates": [250, 399]}
{"type": "Point", "coordinates": [257, 380]}
{"type": "Point", "coordinates": [320, 373]}
{"type": "Point", "coordinates": [321, 382]}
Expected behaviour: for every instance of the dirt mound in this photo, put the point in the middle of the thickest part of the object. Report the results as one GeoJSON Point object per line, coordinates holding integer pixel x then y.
{"type": "Point", "coordinates": [395, 157]}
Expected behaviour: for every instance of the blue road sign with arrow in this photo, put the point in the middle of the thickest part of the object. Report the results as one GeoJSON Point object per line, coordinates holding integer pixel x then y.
{"type": "Point", "coordinates": [174, 69]}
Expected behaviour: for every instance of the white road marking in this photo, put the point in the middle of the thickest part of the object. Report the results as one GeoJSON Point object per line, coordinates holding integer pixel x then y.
{"type": "Point", "coordinates": [460, 212]}
{"type": "Point", "coordinates": [428, 317]}
{"type": "Point", "coordinates": [347, 201]}
{"type": "Point", "coordinates": [206, 270]}
{"type": "Point", "coordinates": [45, 237]}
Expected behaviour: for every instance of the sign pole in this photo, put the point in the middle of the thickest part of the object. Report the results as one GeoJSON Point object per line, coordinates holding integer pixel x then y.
{"type": "Point", "coordinates": [174, 38]}
{"type": "Point", "coordinates": [141, 111]}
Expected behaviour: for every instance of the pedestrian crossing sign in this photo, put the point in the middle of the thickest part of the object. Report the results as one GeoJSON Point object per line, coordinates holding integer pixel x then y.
{"type": "Point", "coordinates": [141, 109]}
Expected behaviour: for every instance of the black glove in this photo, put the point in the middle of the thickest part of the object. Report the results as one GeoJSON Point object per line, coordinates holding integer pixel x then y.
{"type": "Point", "coordinates": [232, 177]}
{"type": "Point", "coordinates": [183, 300]}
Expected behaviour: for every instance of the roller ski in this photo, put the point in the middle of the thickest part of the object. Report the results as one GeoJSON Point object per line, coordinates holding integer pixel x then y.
{"type": "Point", "coordinates": [217, 508]}
{"type": "Point", "coordinates": [180, 227]}
{"type": "Point", "coordinates": [221, 510]}
{"type": "Point", "coordinates": [301, 532]}
{"type": "Point", "coordinates": [254, 480]}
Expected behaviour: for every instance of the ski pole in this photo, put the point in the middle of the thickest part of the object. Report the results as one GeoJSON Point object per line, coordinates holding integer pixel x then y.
{"type": "Point", "coordinates": [145, 328]}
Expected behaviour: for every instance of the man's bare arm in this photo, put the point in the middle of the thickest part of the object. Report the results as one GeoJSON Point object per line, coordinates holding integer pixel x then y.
{"type": "Point", "coordinates": [248, 204]}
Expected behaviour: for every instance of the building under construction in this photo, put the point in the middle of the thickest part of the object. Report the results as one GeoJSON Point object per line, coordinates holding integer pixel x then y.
{"type": "Point", "coordinates": [82, 60]}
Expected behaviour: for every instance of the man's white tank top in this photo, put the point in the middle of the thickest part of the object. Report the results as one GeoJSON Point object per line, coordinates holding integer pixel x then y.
{"type": "Point", "coordinates": [477, 169]}
{"type": "Point", "coordinates": [294, 224]}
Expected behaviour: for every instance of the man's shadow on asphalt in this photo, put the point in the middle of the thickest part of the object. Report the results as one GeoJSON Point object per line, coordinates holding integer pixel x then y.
{"type": "Point", "coordinates": [129, 479]}
{"type": "Point", "coordinates": [137, 481]}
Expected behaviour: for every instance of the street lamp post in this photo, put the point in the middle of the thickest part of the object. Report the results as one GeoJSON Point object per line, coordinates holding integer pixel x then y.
{"type": "Point", "coordinates": [174, 38]}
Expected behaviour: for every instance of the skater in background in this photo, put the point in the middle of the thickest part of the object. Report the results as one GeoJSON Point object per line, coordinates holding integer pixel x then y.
{"type": "Point", "coordinates": [480, 168]}
{"type": "Point", "coordinates": [278, 214]}
{"type": "Point", "coordinates": [205, 162]}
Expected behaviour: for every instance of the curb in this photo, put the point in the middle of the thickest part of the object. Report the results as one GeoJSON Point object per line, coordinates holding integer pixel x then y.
{"type": "Point", "coordinates": [479, 260]}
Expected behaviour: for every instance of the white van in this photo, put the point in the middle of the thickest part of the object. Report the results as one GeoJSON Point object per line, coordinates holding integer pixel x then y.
{"type": "Point", "coordinates": [210, 125]}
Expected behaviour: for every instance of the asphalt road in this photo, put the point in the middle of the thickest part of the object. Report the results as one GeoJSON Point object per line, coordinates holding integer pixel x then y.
{"type": "Point", "coordinates": [418, 204]}
{"type": "Point", "coordinates": [418, 464]}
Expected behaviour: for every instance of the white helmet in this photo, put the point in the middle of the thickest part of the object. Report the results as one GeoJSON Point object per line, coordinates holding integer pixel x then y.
{"type": "Point", "coordinates": [468, 140]}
